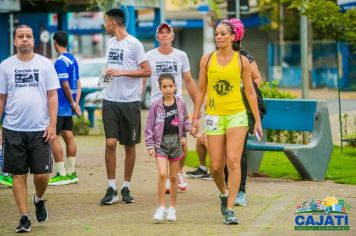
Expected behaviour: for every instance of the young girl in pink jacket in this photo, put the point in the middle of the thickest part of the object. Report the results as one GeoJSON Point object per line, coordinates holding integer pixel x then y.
{"type": "Point", "coordinates": [165, 125]}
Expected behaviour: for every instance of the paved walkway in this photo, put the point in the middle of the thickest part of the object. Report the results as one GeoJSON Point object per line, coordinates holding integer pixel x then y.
{"type": "Point", "coordinates": [75, 210]}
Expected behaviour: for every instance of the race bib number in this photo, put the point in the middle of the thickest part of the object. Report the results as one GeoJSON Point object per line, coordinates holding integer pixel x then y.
{"type": "Point", "coordinates": [211, 122]}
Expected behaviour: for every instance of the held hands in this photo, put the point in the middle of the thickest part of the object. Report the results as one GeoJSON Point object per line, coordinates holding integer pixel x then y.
{"type": "Point", "coordinates": [50, 133]}
{"type": "Point", "coordinates": [152, 152]}
{"type": "Point", "coordinates": [195, 127]}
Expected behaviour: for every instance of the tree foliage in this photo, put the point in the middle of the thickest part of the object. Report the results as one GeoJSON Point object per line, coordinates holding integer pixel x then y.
{"type": "Point", "coordinates": [329, 18]}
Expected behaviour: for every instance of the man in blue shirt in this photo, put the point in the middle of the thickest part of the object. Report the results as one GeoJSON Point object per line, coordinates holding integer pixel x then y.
{"type": "Point", "coordinates": [68, 105]}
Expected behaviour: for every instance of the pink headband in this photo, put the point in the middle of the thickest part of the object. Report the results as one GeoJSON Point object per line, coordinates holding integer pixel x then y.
{"type": "Point", "coordinates": [237, 27]}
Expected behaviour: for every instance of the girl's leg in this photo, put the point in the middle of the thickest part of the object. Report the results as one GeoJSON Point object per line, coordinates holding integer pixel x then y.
{"type": "Point", "coordinates": [216, 149]}
{"type": "Point", "coordinates": [173, 171]}
{"type": "Point", "coordinates": [184, 144]}
{"type": "Point", "coordinates": [234, 144]}
{"type": "Point", "coordinates": [162, 176]}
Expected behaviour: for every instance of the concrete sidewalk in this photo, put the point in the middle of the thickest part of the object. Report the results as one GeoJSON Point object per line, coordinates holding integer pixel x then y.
{"type": "Point", "coordinates": [75, 210]}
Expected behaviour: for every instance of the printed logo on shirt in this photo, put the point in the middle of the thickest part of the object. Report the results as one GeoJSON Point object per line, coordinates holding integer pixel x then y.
{"type": "Point", "coordinates": [167, 67]}
{"type": "Point", "coordinates": [171, 113]}
{"type": "Point", "coordinates": [116, 56]}
{"type": "Point", "coordinates": [222, 87]}
{"type": "Point", "coordinates": [26, 78]}
{"type": "Point", "coordinates": [211, 104]}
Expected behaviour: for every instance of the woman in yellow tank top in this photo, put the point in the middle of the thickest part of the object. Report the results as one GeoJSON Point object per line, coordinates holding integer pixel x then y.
{"type": "Point", "coordinates": [226, 120]}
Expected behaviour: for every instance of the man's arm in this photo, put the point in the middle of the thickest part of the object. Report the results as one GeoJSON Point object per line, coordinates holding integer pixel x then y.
{"type": "Point", "coordinates": [144, 71]}
{"type": "Point", "coordinates": [255, 73]}
{"type": "Point", "coordinates": [77, 98]}
{"type": "Point", "coordinates": [67, 92]}
{"type": "Point", "coordinates": [190, 84]}
{"type": "Point", "coordinates": [50, 132]}
{"type": "Point", "coordinates": [2, 106]}
{"type": "Point", "coordinates": [144, 82]}
{"type": "Point", "coordinates": [79, 92]}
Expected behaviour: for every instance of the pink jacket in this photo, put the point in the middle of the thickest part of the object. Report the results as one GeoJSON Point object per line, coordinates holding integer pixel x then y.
{"type": "Point", "coordinates": [155, 122]}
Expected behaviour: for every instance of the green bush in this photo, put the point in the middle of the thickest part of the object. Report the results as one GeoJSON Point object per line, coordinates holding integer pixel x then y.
{"type": "Point", "coordinates": [80, 125]}
{"type": "Point", "coordinates": [270, 90]}
{"type": "Point", "coordinates": [349, 128]}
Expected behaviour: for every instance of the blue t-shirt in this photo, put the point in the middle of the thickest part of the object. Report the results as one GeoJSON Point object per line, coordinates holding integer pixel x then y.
{"type": "Point", "coordinates": [67, 70]}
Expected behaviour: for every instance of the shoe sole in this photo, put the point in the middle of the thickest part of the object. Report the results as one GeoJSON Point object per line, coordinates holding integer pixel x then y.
{"type": "Point", "coordinates": [233, 222]}
{"type": "Point", "coordinates": [156, 221]}
{"type": "Point", "coordinates": [195, 176]}
{"type": "Point", "coordinates": [239, 204]}
{"type": "Point", "coordinates": [35, 213]}
{"type": "Point", "coordinates": [6, 183]}
{"type": "Point", "coordinates": [23, 230]}
{"type": "Point", "coordinates": [183, 188]}
{"type": "Point", "coordinates": [114, 200]}
{"type": "Point", "coordinates": [132, 201]}
{"type": "Point", "coordinates": [210, 178]}
{"type": "Point", "coordinates": [74, 181]}
{"type": "Point", "coordinates": [60, 183]}
{"type": "Point", "coordinates": [171, 220]}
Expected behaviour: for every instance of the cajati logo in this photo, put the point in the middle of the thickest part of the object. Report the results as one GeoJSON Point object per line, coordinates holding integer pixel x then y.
{"type": "Point", "coordinates": [327, 214]}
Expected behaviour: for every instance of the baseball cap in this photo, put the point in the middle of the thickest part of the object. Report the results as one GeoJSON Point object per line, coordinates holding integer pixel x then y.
{"type": "Point", "coordinates": [162, 25]}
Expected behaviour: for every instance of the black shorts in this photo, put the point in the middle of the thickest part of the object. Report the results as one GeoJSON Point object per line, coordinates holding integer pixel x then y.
{"type": "Point", "coordinates": [26, 150]}
{"type": "Point", "coordinates": [122, 121]}
{"type": "Point", "coordinates": [64, 123]}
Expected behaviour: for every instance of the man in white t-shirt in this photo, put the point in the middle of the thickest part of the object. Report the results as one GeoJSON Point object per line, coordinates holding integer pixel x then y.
{"type": "Point", "coordinates": [28, 95]}
{"type": "Point", "coordinates": [167, 59]}
{"type": "Point", "coordinates": [127, 64]}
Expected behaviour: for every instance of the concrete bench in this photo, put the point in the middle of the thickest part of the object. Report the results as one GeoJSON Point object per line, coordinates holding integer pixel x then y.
{"type": "Point", "coordinates": [90, 108]}
{"type": "Point", "coordinates": [311, 160]}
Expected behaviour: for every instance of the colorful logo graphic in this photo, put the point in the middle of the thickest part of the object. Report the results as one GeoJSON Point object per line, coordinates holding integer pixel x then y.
{"type": "Point", "coordinates": [327, 214]}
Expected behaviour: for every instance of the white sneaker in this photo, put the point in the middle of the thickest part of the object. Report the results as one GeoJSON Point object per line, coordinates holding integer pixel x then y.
{"type": "Point", "coordinates": [168, 186]}
{"type": "Point", "coordinates": [160, 214]}
{"type": "Point", "coordinates": [182, 182]}
{"type": "Point", "coordinates": [171, 214]}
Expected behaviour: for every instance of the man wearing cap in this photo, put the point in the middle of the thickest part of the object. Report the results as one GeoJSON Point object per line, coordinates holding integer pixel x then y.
{"type": "Point", "coordinates": [127, 64]}
{"type": "Point", "coordinates": [167, 59]}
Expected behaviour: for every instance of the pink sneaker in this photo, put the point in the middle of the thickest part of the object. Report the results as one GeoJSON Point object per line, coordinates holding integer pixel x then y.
{"type": "Point", "coordinates": [182, 182]}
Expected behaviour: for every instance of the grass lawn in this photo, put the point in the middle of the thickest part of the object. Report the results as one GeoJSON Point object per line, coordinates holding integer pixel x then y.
{"type": "Point", "coordinates": [276, 165]}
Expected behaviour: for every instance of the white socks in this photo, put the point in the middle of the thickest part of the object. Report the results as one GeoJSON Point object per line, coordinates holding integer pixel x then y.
{"type": "Point", "coordinates": [70, 165]}
{"type": "Point", "coordinates": [59, 168]}
{"type": "Point", "coordinates": [111, 183]}
{"type": "Point", "coordinates": [125, 184]}
{"type": "Point", "coordinates": [204, 168]}
{"type": "Point", "coordinates": [37, 199]}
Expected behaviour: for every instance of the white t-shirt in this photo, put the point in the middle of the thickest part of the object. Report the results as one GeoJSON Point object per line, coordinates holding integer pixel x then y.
{"type": "Point", "coordinates": [26, 85]}
{"type": "Point", "coordinates": [126, 54]}
{"type": "Point", "coordinates": [175, 63]}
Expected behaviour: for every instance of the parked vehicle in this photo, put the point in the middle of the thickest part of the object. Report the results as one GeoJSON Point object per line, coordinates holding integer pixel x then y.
{"type": "Point", "coordinates": [89, 71]}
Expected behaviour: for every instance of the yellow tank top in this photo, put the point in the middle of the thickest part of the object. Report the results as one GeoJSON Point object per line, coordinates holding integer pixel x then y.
{"type": "Point", "coordinates": [223, 87]}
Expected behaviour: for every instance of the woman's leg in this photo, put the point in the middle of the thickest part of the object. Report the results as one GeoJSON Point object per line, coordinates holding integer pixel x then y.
{"type": "Point", "coordinates": [216, 149]}
{"type": "Point", "coordinates": [162, 176]}
{"type": "Point", "coordinates": [234, 144]}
